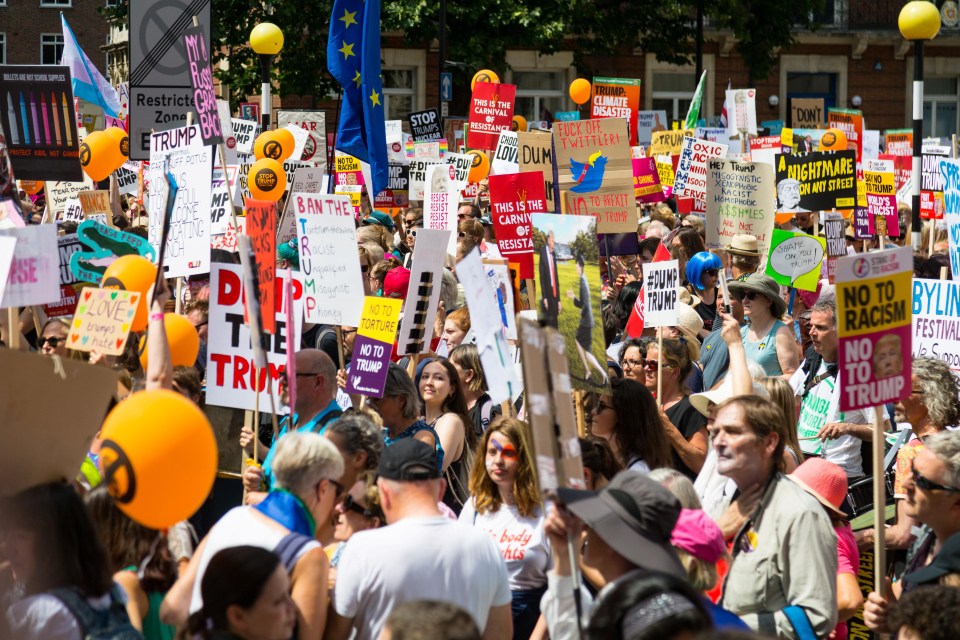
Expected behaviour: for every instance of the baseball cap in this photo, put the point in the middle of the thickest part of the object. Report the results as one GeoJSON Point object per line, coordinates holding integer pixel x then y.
{"type": "Point", "coordinates": [635, 516]}
{"type": "Point", "coordinates": [395, 283]}
{"type": "Point", "coordinates": [947, 561]}
{"type": "Point", "coordinates": [408, 459]}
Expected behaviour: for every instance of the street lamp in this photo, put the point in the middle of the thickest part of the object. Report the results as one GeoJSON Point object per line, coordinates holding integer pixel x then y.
{"type": "Point", "coordinates": [266, 40]}
{"type": "Point", "coordinates": [919, 21]}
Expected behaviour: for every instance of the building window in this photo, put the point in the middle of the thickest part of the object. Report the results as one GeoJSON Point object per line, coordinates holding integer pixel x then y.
{"type": "Point", "coordinates": [51, 48]}
{"type": "Point", "coordinates": [3, 47]}
{"type": "Point", "coordinates": [813, 85]}
{"type": "Point", "coordinates": [672, 92]}
{"type": "Point", "coordinates": [399, 92]}
{"type": "Point", "coordinates": [941, 97]}
{"type": "Point", "coordinates": [539, 94]}
{"type": "Point", "coordinates": [56, 3]}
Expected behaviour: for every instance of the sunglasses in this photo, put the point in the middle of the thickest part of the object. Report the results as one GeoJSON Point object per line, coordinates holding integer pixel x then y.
{"type": "Point", "coordinates": [53, 342]}
{"type": "Point", "coordinates": [927, 484]}
{"type": "Point", "coordinates": [412, 232]}
{"type": "Point", "coordinates": [752, 295]}
{"type": "Point", "coordinates": [711, 272]}
{"type": "Point", "coordinates": [653, 364]}
{"type": "Point", "coordinates": [349, 504]}
{"type": "Point", "coordinates": [282, 376]}
{"type": "Point", "coordinates": [337, 486]}
{"type": "Point", "coordinates": [600, 407]}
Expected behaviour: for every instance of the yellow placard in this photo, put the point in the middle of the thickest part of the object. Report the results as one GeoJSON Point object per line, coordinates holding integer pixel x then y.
{"type": "Point", "coordinates": [380, 318]}
{"type": "Point", "coordinates": [875, 304]}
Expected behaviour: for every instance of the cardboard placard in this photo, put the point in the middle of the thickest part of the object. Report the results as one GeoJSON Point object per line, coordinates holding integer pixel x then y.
{"type": "Point", "coordinates": [931, 181]}
{"type": "Point", "coordinates": [37, 114]}
{"type": "Point", "coordinates": [8, 247]}
{"type": "Point", "coordinates": [423, 294]}
{"type": "Point", "coordinates": [850, 121]}
{"type": "Point", "coordinates": [874, 317]}
{"type": "Point", "coordinates": [742, 112]}
{"type": "Point", "coordinates": [373, 346]}
{"type": "Point", "coordinates": [505, 158]}
{"type": "Point", "coordinates": [816, 181]}
{"type": "Point", "coordinates": [833, 231]}
{"type": "Point", "coordinates": [881, 193]}
{"type": "Point", "coordinates": [73, 212]}
{"type": "Point", "coordinates": [244, 133]}
{"type": "Point", "coordinates": [668, 143]}
{"type": "Point", "coordinates": [60, 193]}
{"type": "Point", "coordinates": [33, 277]}
{"type": "Point", "coordinates": [262, 229]}
{"type": "Point", "coordinates": [535, 153]}
{"type": "Point", "coordinates": [96, 202]}
{"type": "Point", "coordinates": [100, 246]}
{"type": "Point", "coordinates": [936, 321]}
{"type": "Point", "coordinates": [740, 200]}
{"type": "Point", "coordinates": [690, 179]}
{"type": "Point", "coordinates": [660, 282]}
{"type": "Point", "coordinates": [796, 259]}
{"type": "Point", "coordinates": [201, 78]}
{"type": "Point", "coordinates": [807, 113]}
{"type": "Point", "coordinates": [102, 320]}
{"type": "Point", "coordinates": [329, 262]}
{"type": "Point", "coordinates": [491, 111]}
{"type": "Point", "coordinates": [418, 176]}
{"type": "Point", "coordinates": [425, 125]}
{"type": "Point", "coordinates": [951, 200]}
{"type": "Point", "coordinates": [646, 181]}
{"type": "Point", "coordinates": [899, 142]}
{"type": "Point", "coordinates": [314, 122]}
{"type": "Point", "coordinates": [440, 198]}
{"type": "Point", "coordinates": [648, 123]}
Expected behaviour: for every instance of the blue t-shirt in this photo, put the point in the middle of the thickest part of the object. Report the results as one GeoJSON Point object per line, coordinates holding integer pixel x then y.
{"type": "Point", "coordinates": [312, 425]}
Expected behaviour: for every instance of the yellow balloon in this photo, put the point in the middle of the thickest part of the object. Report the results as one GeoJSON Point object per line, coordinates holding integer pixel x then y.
{"type": "Point", "coordinates": [479, 167]}
{"type": "Point", "coordinates": [120, 137]}
{"type": "Point", "coordinates": [519, 124]}
{"type": "Point", "coordinates": [132, 273]}
{"type": "Point", "coordinates": [484, 75]}
{"type": "Point", "coordinates": [31, 187]}
{"type": "Point", "coordinates": [158, 457]}
{"type": "Point", "coordinates": [183, 340]}
{"type": "Point", "coordinates": [580, 91]}
{"type": "Point", "coordinates": [268, 145]}
{"type": "Point", "coordinates": [266, 180]}
{"type": "Point", "coordinates": [287, 143]}
{"type": "Point", "coordinates": [833, 140]}
{"type": "Point", "coordinates": [99, 155]}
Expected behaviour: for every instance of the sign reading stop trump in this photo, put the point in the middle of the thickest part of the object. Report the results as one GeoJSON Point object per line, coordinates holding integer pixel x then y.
{"type": "Point", "coordinates": [513, 197]}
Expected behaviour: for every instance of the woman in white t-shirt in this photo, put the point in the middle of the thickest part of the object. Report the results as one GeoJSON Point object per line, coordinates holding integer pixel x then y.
{"type": "Point", "coordinates": [505, 502]}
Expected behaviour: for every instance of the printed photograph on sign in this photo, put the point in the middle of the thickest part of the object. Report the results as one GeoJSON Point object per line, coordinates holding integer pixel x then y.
{"type": "Point", "coordinates": [567, 271]}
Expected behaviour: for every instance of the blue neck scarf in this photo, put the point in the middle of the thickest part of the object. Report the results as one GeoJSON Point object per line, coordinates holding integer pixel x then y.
{"type": "Point", "coordinates": [289, 510]}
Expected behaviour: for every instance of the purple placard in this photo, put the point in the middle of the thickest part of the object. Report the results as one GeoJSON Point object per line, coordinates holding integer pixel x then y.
{"type": "Point", "coordinates": [201, 77]}
{"type": "Point", "coordinates": [862, 223]}
{"type": "Point", "coordinates": [368, 367]}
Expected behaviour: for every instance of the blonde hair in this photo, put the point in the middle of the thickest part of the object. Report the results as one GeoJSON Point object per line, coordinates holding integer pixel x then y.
{"type": "Point", "coordinates": [782, 395]}
{"type": "Point", "coordinates": [702, 575]}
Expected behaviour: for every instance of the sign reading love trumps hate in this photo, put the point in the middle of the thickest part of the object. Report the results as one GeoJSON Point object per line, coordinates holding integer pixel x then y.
{"type": "Point", "coordinates": [102, 320]}
{"type": "Point", "coordinates": [329, 262]}
{"type": "Point", "coordinates": [373, 345]}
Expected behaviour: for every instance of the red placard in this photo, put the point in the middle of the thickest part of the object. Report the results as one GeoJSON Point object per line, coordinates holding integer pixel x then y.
{"type": "Point", "coordinates": [262, 229]}
{"type": "Point", "coordinates": [491, 111]}
{"type": "Point", "coordinates": [513, 197]}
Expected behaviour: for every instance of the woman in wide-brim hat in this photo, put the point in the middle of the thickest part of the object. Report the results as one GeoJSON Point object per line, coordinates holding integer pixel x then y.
{"type": "Point", "coordinates": [766, 338]}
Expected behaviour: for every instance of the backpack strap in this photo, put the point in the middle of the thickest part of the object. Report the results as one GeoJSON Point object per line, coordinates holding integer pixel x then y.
{"type": "Point", "coordinates": [78, 607]}
{"type": "Point", "coordinates": [289, 549]}
{"type": "Point", "coordinates": [800, 622]}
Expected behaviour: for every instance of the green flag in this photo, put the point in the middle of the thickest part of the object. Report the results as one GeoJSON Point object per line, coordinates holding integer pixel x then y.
{"type": "Point", "coordinates": [693, 114]}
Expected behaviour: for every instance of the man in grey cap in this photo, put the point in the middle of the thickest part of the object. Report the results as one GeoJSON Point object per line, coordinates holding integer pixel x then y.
{"type": "Point", "coordinates": [628, 526]}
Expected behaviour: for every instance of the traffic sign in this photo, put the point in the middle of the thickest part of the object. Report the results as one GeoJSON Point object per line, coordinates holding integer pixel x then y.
{"type": "Point", "coordinates": [446, 87]}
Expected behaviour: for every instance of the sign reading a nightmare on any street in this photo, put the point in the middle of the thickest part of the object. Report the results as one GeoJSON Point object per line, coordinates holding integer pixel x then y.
{"type": "Point", "coordinates": [161, 92]}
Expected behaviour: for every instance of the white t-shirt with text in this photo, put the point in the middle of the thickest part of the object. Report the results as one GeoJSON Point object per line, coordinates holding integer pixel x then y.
{"type": "Point", "coordinates": [522, 543]}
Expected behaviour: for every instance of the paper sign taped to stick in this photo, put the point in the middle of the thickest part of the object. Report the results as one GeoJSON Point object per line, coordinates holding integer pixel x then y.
{"type": "Point", "coordinates": [874, 317]}
{"type": "Point", "coordinates": [34, 275]}
{"type": "Point", "coordinates": [795, 259]}
{"type": "Point", "coordinates": [660, 282]}
{"type": "Point", "coordinates": [373, 346]}
{"type": "Point", "coordinates": [102, 320]}
{"type": "Point", "coordinates": [423, 294]}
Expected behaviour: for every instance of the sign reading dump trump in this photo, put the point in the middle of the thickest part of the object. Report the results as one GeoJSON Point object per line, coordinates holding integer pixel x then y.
{"type": "Point", "coordinates": [660, 282]}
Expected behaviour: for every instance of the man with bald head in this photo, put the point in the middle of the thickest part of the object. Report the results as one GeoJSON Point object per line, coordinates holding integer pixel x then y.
{"type": "Point", "coordinates": [315, 408]}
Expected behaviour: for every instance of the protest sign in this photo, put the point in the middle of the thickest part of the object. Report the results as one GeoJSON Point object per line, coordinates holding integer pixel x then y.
{"type": "Point", "coordinates": [833, 231]}
{"type": "Point", "coordinates": [491, 111]}
{"type": "Point", "coordinates": [806, 113]}
{"type": "Point", "coordinates": [741, 112]}
{"type": "Point", "coordinates": [765, 149]}
{"type": "Point", "coordinates": [617, 98]}
{"type": "Point", "coordinates": [499, 276]}
{"type": "Point", "coordinates": [505, 157]}
{"type": "Point", "coordinates": [931, 181]}
{"type": "Point", "coordinates": [228, 240]}
{"type": "Point", "coordinates": [668, 143]}
{"type": "Point", "coordinates": [373, 346]}
{"type": "Point", "coordinates": [67, 246]}
{"type": "Point", "coordinates": [33, 277]}
{"type": "Point", "coordinates": [440, 199]}
{"type": "Point", "coordinates": [425, 125]}
{"type": "Point", "coordinates": [59, 193]}
{"type": "Point", "coordinates": [461, 164]}
{"type": "Point", "coordinates": [423, 294]}
{"type": "Point", "coordinates": [96, 203]}
{"type": "Point", "coordinates": [660, 282]}
{"type": "Point", "coordinates": [691, 176]}
{"type": "Point", "coordinates": [191, 163]}
{"type": "Point", "coordinates": [512, 199]}
{"type": "Point", "coordinates": [902, 172]}
{"type": "Point", "coordinates": [329, 262]}
{"type": "Point", "coordinates": [398, 188]}
{"type": "Point", "coordinates": [850, 121]}
{"type": "Point", "coordinates": [244, 133]}
{"type": "Point", "coordinates": [301, 137]}
{"type": "Point", "coordinates": [201, 78]}
{"type": "Point", "coordinates": [646, 181]}
{"type": "Point", "coordinates": [595, 172]}
{"type": "Point", "coordinates": [230, 358]}
{"type": "Point", "coordinates": [648, 123]}
{"type": "Point", "coordinates": [314, 122]}
{"type": "Point", "coordinates": [102, 320]}
{"type": "Point", "coordinates": [535, 153]}
{"type": "Point", "coordinates": [127, 178]}
{"type": "Point", "coordinates": [795, 259]}
{"type": "Point", "coordinates": [874, 310]}
{"type": "Point", "coordinates": [568, 294]}
{"type": "Point", "coordinates": [262, 228]}
{"type": "Point", "coordinates": [899, 142]}
{"type": "Point", "coordinates": [220, 203]}
{"type": "Point", "coordinates": [665, 166]}
{"type": "Point", "coordinates": [950, 169]}
{"type": "Point", "coordinates": [37, 115]}
{"type": "Point", "coordinates": [863, 224]}
{"type": "Point", "coordinates": [881, 193]}
{"type": "Point", "coordinates": [348, 169]}
{"type": "Point", "coordinates": [8, 247]}
{"type": "Point", "coordinates": [936, 321]}
{"type": "Point", "coordinates": [871, 144]}
{"type": "Point", "coordinates": [418, 177]}
{"type": "Point", "coordinates": [73, 212]}
{"type": "Point", "coordinates": [816, 181]}
{"type": "Point", "coordinates": [100, 246]}
{"type": "Point", "coordinates": [740, 200]}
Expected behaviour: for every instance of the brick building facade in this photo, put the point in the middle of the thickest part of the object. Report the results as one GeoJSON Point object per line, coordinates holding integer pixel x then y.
{"type": "Point", "coordinates": [31, 33]}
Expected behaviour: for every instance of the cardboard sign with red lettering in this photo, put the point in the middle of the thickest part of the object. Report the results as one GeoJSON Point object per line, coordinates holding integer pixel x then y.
{"type": "Point", "coordinates": [230, 378]}
{"type": "Point", "coordinates": [262, 227]}
{"type": "Point", "coordinates": [491, 111]}
{"type": "Point", "coordinates": [34, 276]}
{"type": "Point", "coordinates": [513, 198]}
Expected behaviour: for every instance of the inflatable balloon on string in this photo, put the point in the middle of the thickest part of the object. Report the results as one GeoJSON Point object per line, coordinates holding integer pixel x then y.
{"type": "Point", "coordinates": [132, 273]}
{"type": "Point", "coordinates": [833, 140]}
{"type": "Point", "coordinates": [484, 75]}
{"type": "Point", "coordinates": [100, 155]}
{"type": "Point", "coordinates": [580, 91]}
{"type": "Point", "coordinates": [266, 180]}
{"type": "Point", "coordinates": [120, 137]}
{"type": "Point", "coordinates": [31, 187]}
{"type": "Point", "coordinates": [183, 340]}
{"type": "Point", "coordinates": [519, 124]}
{"type": "Point", "coordinates": [268, 145]}
{"type": "Point", "coordinates": [287, 143]}
{"type": "Point", "coordinates": [479, 167]}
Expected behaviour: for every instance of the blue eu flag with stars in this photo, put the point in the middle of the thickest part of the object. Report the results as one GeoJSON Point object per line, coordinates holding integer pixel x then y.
{"type": "Point", "coordinates": [353, 58]}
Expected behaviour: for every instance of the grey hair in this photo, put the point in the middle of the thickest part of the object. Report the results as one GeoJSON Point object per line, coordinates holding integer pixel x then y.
{"type": "Point", "coordinates": [941, 391]}
{"type": "Point", "coordinates": [828, 305]}
{"type": "Point", "coordinates": [448, 290]}
{"type": "Point", "coordinates": [302, 460]}
{"type": "Point", "coordinates": [946, 446]}
{"type": "Point", "coordinates": [679, 485]}
{"type": "Point", "coordinates": [399, 384]}
{"type": "Point", "coordinates": [359, 433]}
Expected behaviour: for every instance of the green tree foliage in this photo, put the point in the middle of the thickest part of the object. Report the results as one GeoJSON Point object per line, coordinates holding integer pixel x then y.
{"type": "Point", "coordinates": [539, 240]}
{"type": "Point", "coordinates": [585, 244]}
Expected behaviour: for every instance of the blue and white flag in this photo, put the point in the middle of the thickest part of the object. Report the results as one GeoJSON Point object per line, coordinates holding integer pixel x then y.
{"type": "Point", "coordinates": [87, 82]}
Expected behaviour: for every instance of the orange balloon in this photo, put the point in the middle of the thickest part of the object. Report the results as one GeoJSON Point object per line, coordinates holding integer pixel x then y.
{"type": "Point", "coordinates": [267, 145]}
{"type": "Point", "coordinates": [266, 180]}
{"type": "Point", "coordinates": [183, 340]}
{"type": "Point", "coordinates": [99, 156]}
{"type": "Point", "coordinates": [484, 75]}
{"type": "Point", "coordinates": [480, 166]}
{"type": "Point", "coordinates": [519, 124]}
{"type": "Point", "coordinates": [287, 143]}
{"type": "Point", "coordinates": [132, 273]}
{"type": "Point", "coordinates": [120, 137]}
{"type": "Point", "coordinates": [833, 140]}
{"type": "Point", "coordinates": [31, 187]}
{"type": "Point", "coordinates": [580, 91]}
{"type": "Point", "coordinates": [158, 457]}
